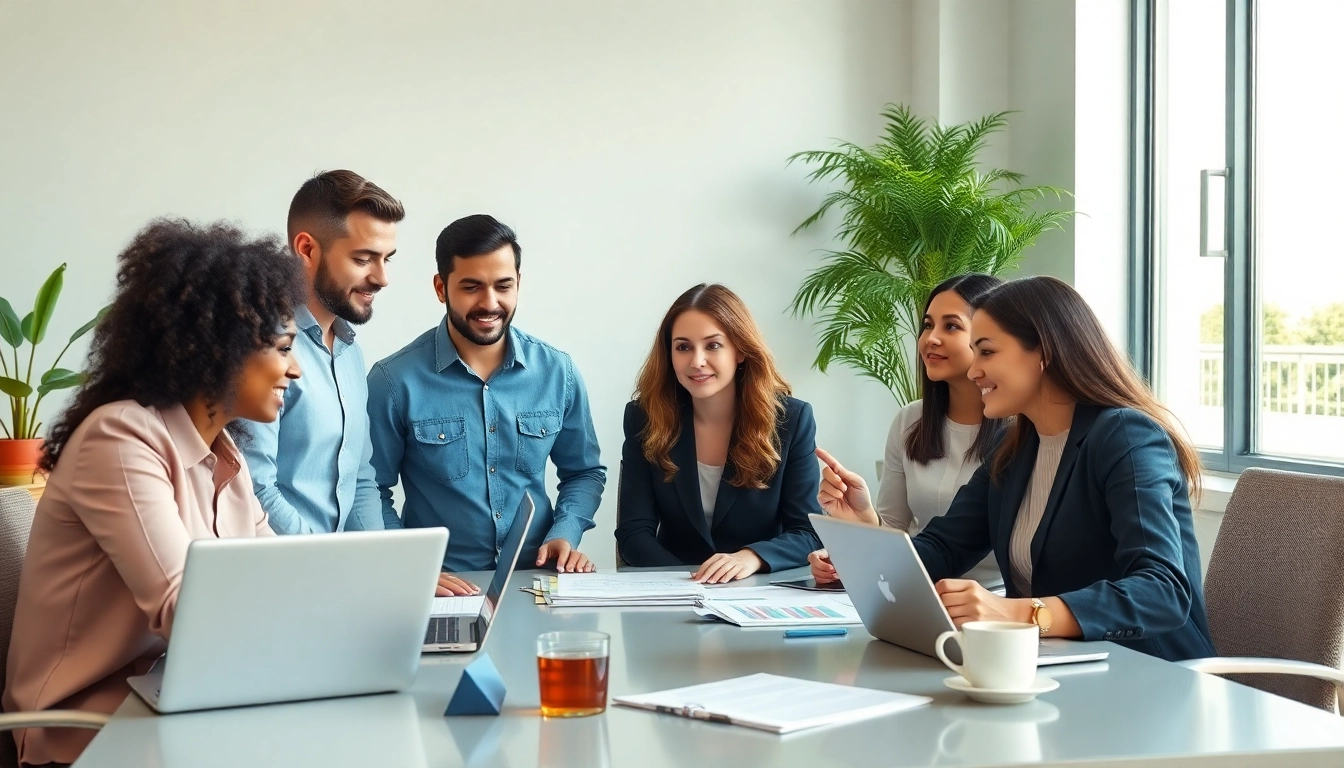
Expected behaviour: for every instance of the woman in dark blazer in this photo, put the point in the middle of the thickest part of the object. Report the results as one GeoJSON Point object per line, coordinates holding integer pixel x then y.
{"type": "Point", "coordinates": [1086, 503]}
{"type": "Point", "coordinates": [718, 467]}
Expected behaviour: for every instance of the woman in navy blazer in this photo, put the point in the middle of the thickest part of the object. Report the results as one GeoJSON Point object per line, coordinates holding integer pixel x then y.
{"type": "Point", "coordinates": [718, 467]}
{"type": "Point", "coordinates": [1086, 503]}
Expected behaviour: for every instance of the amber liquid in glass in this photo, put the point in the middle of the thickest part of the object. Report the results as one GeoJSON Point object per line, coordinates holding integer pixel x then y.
{"type": "Point", "coordinates": [572, 686]}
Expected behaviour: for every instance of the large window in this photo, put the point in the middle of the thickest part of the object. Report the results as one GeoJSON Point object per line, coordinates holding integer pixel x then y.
{"type": "Point", "coordinates": [1239, 113]}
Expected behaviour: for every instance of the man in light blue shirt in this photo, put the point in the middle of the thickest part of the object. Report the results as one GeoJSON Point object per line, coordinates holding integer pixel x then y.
{"type": "Point", "coordinates": [310, 468]}
{"type": "Point", "coordinates": [467, 415]}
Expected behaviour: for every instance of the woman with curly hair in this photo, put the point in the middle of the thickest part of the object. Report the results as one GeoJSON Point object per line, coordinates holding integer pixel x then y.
{"type": "Point", "coordinates": [198, 335]}
{"type": "Point", "coordinates": [718, 468]}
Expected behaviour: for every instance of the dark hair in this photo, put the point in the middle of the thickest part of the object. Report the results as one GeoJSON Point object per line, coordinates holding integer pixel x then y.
{"type": "Point", "coordinates": [924, 440]}
{"type": "Point", "coordinates": [193, 303]}
{"type": "Point", "coordinates": [1046, 313]}
{"type": "Point", "coordinates": [754, 447]}
{"type": "Point", "coordinates": [474, 235]}
{"type": "Point", "coordinates": [322, 204]}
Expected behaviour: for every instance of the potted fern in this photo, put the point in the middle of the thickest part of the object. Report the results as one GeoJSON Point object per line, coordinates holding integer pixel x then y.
{"type": "Point", "coordinates": [20, 438]}
{"type": "Point", "coordinates": [916, 209]}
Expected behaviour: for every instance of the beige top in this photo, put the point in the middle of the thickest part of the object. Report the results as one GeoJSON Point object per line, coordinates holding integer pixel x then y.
{"type": "Point", "coordinates": [710, 476]}
{"type": "Point", "coordinates": [133, 487]}
{"type": "Point", "coordinates": [1033, 508]}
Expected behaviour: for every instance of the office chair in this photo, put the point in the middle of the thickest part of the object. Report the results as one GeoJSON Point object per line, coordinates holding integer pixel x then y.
{"type": "Point", "coordinates": [16, 520]}
{"type": "Point", "coordinates": [1275, 587]}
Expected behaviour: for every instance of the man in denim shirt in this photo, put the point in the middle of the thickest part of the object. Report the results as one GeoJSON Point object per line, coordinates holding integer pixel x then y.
{"type": "Point", "coordinates": [310, 468]}
{"type": "Point", "coordinates": [467, 414]}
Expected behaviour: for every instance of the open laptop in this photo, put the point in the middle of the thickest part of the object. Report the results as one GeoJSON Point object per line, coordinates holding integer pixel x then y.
{"type": "Point", "coordinates": [460, 624]}
{"type": "Point", "coordinates": [894, 596]}
{"type": "Point", "coordinates": [289, 618]}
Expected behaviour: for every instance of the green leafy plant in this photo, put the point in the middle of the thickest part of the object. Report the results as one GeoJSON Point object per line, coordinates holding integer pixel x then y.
{"type": "Point", "coordinates": [31, 330]}
{"type": "Point", "coordinates": [916, 210]}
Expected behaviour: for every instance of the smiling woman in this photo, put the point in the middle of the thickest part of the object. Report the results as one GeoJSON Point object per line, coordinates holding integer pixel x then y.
{"type": "Point", "coordinates": [1086, 503]}
{"type": "Point", "coordinates": [935, 444]}
{"type": "Point", "coordinates": [197, 336]}
{"type": "Point", "coordinates": [717, 469]}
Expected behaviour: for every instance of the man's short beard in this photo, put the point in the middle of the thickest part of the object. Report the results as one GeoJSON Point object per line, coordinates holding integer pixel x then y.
{"type": "Point", "coordinates": [463, 326]}
{"type": "Point", "coordinates": [338, 300]}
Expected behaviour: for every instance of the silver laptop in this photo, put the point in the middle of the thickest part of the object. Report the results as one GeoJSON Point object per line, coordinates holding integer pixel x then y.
{"type": "Point", "coordinates": [350, 732]}
{"type": "Point", "coordinates": [460, 624]}
{"type": "Point", "coordinates": [894, 596]}
{"type": "Point", "coordinates": [297, 617]}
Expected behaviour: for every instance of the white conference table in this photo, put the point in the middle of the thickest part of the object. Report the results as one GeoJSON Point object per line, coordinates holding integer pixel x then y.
{"type": "Point", "coordinates": [1131, 709]}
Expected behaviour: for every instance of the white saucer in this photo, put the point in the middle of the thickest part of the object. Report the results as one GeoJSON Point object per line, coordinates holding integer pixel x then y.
{"type": "Point", "coordinates": [1038, 686]}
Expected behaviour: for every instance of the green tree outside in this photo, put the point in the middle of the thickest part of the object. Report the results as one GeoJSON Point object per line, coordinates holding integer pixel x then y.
{"type": "Point", "coordinates": [1324, 326]}
{"type": "Point", "coordinates": [1274, 322]}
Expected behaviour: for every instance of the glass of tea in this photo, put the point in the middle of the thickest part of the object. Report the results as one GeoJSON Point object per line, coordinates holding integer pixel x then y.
{"type": "Point", "coordinates": [572, 673]}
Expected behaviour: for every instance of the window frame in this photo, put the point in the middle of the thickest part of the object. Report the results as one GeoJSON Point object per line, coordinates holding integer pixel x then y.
{"type": "Point", "coordinates": [1145, 270]}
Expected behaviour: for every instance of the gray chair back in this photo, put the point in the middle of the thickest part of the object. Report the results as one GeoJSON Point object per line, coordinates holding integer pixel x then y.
{"type": "Point", "coordinates": [1275, 584]}
{"type": "Point", "coordinates": [16, 520]}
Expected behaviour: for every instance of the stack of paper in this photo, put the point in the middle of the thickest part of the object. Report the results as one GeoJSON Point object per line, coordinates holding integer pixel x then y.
{"type": "Point", "coordinates": [778, 607]}
{"type": "Point", "coordinates": [773, 703]}
{"type": "Point", "coordinates": [625, 589]}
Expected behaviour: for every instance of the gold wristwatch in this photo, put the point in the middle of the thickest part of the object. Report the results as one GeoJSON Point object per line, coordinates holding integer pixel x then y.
{"type": "Point", "coordinates": [1040, 615]}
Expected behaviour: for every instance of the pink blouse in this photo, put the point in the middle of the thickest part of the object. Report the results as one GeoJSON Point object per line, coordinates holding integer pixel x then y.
{"type": "Point", "coordinates": [133, 487]}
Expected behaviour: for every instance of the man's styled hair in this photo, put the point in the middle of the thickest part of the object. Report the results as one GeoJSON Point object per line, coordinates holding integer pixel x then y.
{"type": "Point", "coordinates": [322, 203]}
{"type": "Point", "coordinates": [474, 235]}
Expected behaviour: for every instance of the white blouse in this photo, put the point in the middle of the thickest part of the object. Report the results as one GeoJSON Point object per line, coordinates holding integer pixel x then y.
{"type": "Point", "coordinates": [911, 494]}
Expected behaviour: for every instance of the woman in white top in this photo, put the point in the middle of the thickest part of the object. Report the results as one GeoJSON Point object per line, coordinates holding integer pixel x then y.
{"type": "Point", "coordinates": [935, 444]}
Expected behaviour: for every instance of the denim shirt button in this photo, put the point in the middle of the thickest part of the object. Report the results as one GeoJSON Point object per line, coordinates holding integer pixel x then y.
{"type": "Point", "coordinates": [498, 515]}
{"type": "Point", "coordinates": [442, 436]}
{"type": "Point", "coordinates": [492, 470]}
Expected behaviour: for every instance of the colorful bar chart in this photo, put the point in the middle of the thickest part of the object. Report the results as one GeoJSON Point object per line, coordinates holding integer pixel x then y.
{"type": "Point", "coordinates": [787, 612]}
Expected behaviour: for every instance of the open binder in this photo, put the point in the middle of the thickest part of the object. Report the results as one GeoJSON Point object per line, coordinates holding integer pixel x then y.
{"type": "Point", "coordinates": [774, 703]}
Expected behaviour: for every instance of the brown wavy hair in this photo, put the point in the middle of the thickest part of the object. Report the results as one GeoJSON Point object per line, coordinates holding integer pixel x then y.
{"type": "Point", "coordinates": [754, 448]}
{"type": "Point", "coordinates": [1046, 313]}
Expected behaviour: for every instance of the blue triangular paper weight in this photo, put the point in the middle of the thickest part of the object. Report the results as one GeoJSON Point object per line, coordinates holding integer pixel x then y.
{"type": "Point", "coordinates": [479, 692]}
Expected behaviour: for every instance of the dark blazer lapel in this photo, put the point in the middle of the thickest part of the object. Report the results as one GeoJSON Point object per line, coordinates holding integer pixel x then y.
{"type": "Point", "coordinates": [1083, 416]}
{"type": "Point", "coordinates": [687, 479]}
{"type": "Point", "coordinates": [1012, 492]}
{"type": "Point", "coordinates": [726, 496]}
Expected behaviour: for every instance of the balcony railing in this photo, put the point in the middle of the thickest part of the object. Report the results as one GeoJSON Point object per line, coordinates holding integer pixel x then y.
{"type": "Point", "coordinates": [1300, 379]}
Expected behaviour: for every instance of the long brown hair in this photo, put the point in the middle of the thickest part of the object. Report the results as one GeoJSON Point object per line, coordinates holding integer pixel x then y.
{"type": "Point", "coordinates": [754, 448]}
{"type": "Point", "coordinates": [1046, 313]}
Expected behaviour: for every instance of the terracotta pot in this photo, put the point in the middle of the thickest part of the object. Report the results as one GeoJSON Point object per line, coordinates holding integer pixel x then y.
{"type": "Point", "coordinates": [18, 461]}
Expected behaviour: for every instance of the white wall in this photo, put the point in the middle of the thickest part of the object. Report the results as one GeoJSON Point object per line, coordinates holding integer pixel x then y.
{"type": "Point", "coordinates": [971, 58]}
{"type": "Point", "coordinates": [638, 148]}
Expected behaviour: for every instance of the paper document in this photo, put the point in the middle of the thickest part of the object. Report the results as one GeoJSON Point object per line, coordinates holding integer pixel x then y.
{"type": "Point", "coordinates": [457, 606]}
{"type": "Point", "coordinates": [625, 589]}
{"type": "Point", "coordinates": [778, 607]}
{"type": "Point", "coordinates": [774, 703]}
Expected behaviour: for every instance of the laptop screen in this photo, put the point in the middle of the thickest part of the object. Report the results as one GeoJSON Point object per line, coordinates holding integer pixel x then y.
{"type": "Point", "coordinates": [508, 557]}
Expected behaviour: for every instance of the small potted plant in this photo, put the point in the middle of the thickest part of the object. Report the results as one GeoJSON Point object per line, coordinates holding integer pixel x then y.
{"type": "Point", "coordinates": [20, 436]}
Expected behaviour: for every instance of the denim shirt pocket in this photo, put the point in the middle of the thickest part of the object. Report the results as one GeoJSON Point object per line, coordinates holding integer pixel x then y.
{"type": "Point", "coordinates": [441, 446]}
{"type": "Point", "coordinates": [536, 436]}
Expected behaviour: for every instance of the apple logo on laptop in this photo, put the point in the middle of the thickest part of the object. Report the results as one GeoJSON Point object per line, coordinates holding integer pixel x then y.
{"type": "Point", "coordinates": [885, 588]}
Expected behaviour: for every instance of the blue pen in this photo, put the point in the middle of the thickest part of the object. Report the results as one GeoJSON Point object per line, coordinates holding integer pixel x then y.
{"type": "Point", "coordinates": [818, 632]}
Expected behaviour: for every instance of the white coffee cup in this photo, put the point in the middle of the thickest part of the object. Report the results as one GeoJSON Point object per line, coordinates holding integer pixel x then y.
{"type": "Point", "coordinates": [996, 655]}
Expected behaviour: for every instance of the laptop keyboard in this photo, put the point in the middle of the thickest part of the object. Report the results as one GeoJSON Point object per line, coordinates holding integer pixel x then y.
{"type": "Point", "coordinates": [444, 630]}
